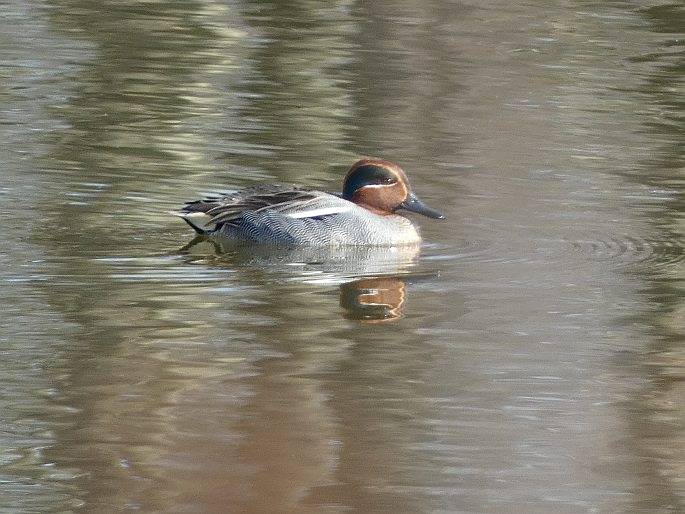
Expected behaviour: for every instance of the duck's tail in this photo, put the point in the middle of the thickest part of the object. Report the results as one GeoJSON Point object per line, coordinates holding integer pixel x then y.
{"type": "Point", "coordinates": [198, 220]}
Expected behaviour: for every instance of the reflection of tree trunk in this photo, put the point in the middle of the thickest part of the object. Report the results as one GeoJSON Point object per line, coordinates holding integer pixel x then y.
{"type": "Point", "coordinates": [405, 80]}
{"type": "Point", "coordinates": [657, 415]}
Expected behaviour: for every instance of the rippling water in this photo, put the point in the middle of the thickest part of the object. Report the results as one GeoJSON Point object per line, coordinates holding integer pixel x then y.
{"type": "Point", "coordinates": [528, 359]}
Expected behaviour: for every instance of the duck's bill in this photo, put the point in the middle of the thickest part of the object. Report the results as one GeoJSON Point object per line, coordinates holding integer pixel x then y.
{"type": "Point", "coordinates": [413, 204]}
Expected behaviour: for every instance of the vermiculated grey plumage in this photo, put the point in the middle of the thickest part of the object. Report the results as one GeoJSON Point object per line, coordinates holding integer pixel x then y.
{"type": "Point", "coordinates": [288, 215]}
{"type": "Point", "coordinates": [363, 227]}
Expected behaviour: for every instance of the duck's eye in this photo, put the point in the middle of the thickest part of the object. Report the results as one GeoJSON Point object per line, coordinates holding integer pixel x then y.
{"type": "Point", "coordinates": [388, 180]}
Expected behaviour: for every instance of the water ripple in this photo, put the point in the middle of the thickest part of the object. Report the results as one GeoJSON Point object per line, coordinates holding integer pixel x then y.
{"type": "Point", "coordinates": [627, 250]}
{"type": "Point", "coordinates": [621, 250]}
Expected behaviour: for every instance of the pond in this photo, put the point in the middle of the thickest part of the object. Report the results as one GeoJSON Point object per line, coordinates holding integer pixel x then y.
{"type": "Point", "coordinates": [527, 358]}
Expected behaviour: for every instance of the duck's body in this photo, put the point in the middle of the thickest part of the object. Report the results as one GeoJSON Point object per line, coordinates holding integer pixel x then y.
{"type": "Point", "coordinates": [363, 215]}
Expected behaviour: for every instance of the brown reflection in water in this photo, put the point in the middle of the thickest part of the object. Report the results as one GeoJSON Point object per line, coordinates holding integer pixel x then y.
{"type": "Point", "coordinates": [284, 448]}
{"type": "Point", "coordinates": [373, 300]}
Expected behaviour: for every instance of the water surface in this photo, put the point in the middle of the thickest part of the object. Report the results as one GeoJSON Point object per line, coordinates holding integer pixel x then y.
{"type": "Point", "coordinates": [528, 359]}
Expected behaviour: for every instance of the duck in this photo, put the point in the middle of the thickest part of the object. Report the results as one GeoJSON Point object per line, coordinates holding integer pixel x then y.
{"type": "Point", "coordinates": [365, 213]}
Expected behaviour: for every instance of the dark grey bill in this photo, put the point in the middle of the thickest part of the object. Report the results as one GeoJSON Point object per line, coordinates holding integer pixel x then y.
{"type": "Point", "coordinates": [413, 204]}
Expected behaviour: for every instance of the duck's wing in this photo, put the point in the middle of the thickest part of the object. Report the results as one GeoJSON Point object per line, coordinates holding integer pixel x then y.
{"type": "Point", "coordinates": [208, 214]}
{"type": "Point", "coordinates": [249, 199]}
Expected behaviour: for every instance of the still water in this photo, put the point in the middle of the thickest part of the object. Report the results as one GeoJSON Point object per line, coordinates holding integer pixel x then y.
{"type": "Point", "coordinates": [528, 360]}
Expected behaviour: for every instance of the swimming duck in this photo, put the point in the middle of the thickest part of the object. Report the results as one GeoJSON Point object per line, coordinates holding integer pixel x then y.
{"type": "Point", "coordinates": [364, 214]}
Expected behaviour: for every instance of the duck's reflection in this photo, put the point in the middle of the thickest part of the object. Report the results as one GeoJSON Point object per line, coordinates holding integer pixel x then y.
{"type": "Point", "coordinates": [371, 279]}
{"type": "Point", "coordinates": [373, 300]}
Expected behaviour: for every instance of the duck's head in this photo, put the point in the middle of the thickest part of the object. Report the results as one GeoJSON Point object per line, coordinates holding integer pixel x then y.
{"type": "Point", "coordinates": [382, 187]}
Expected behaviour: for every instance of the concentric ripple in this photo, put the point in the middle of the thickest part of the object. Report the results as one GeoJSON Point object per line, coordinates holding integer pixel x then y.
{"type": "Point", "coordinates": [620, 250]}
{"type": "Point", "coordinates": [625, 250]}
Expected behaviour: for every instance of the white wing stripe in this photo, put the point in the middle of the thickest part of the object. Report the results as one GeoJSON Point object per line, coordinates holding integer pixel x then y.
{"type": "Point", "coordinates": [321, 211]}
